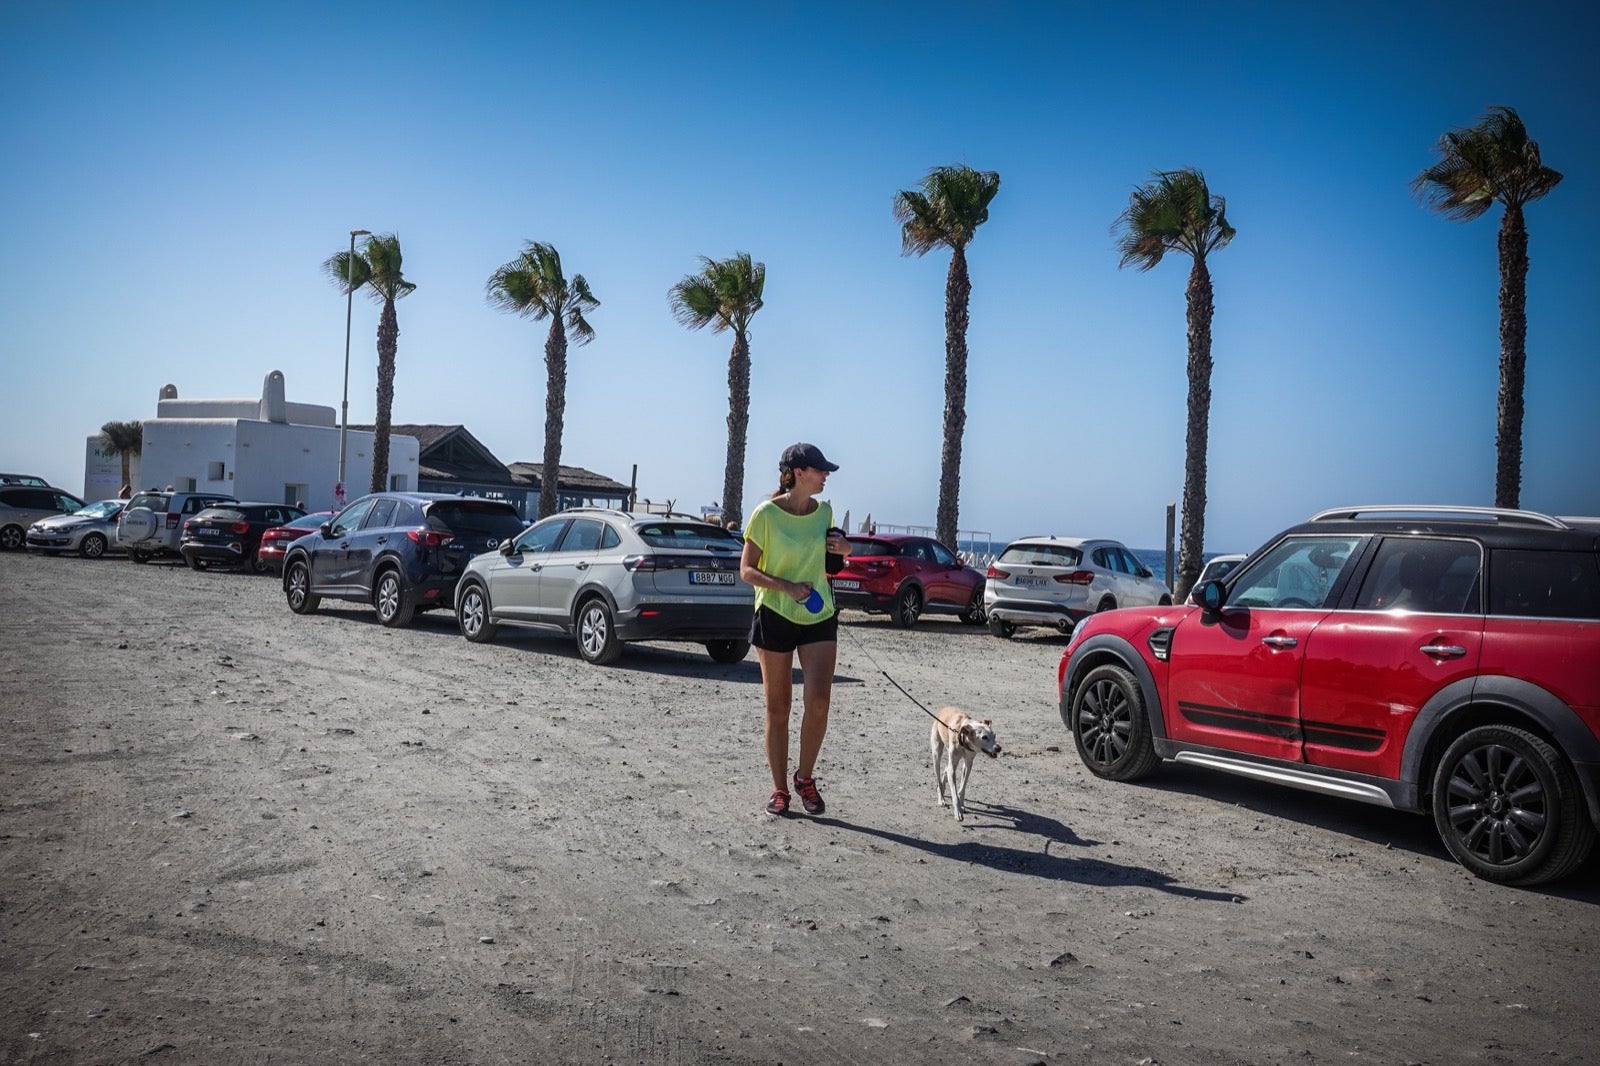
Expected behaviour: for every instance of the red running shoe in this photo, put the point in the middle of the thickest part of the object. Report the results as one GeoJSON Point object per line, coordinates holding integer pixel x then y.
{"type": "Point", "coordinates": [779, 803]}
{"type": "Point", "coordinates": [810, 798]}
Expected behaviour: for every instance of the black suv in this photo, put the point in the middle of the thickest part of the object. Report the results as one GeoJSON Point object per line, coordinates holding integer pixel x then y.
{"type": "Point", "coordinates": [1443, 660]}
{"type": "Point", "coordinates": [402, 552]}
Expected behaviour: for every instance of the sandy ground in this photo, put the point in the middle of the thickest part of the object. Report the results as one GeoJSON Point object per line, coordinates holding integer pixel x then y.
{"type": "Point", "coordinates": [229, 834]}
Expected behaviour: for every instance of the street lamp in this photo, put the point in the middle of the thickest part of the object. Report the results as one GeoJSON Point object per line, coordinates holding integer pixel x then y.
{"type": "Point", "coordinates": [344, 404]}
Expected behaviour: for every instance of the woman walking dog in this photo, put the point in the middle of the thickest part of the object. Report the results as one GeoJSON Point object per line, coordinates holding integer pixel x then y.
{"type": "Point", "coordinates": [786, 541]}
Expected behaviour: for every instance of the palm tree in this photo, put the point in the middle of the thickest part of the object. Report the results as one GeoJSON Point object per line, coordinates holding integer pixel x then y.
{"type": "Point", "coordinates": [1177, 213]}
{"type": "Point", "coordinates": [125, 439]}
{"type": "Point", "coordinates": [725, 295]}
{"type": "Point", "coordinates": [945, 212]}
{"type": "Point", "coordinates": [532, 284]}
{"type": "Point", "coordinates": [376, 268]}
{"type": "Point", "coordinates": [1493, 161]}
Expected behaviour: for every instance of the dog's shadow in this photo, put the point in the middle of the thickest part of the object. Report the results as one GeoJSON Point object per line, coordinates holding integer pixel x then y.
{"type": "Point", "coordinates": [1041, 862]}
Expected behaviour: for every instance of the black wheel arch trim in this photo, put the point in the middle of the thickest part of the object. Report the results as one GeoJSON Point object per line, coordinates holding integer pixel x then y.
{"type": "Point", "coordinates": [584, 595]}
{"type": "Point", "coordinates": [1095, 651]}
{"type": "Point", "coordinates": [1540, 706]}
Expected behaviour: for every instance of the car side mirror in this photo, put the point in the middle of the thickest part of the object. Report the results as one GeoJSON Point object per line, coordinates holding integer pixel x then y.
{"type": "Point", "coordinates": [1211, 596]}
{"type": "Point", "coordinates": [1145, 571]}
{"type": "Point", "coordinates": [326, 529]}
{"type": "Point", "coordinates": [508, 548]}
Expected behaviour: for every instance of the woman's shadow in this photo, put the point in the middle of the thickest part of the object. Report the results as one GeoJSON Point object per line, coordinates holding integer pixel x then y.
{"type": "Point", "coordinates": [1042, 862]}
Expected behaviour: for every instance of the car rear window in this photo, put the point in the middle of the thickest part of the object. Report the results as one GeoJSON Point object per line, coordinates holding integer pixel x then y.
{"type": "Point", "coordinates": [219, 514]}
{"type": "Point", "coordinates": [866, 546]}
{"type": "Point", "coordinates": [156, 501]}
{"type": "Point", "coordinates": [1545, 584]}
{"type": "Point", "coordinates": [674, 535]}
{"type": "Point", "coordinates": [1040, 555]}
{"type": "Point", "coordinates": [464, 517]}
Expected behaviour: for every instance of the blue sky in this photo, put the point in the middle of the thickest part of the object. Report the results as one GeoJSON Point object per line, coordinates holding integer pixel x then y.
{"type": "Point", "coordinates": [176, 173]}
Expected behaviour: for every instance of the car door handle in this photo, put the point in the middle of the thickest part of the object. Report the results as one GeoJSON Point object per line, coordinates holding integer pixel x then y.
{"type": "Point", "coordinates": [383, 540]}
{"type": "Point", "coordinates": [1280, 642]}
{"type": "Point", "coordinates": [1444, 651]}
{"type": "Point", "coordinates": [583, 566]}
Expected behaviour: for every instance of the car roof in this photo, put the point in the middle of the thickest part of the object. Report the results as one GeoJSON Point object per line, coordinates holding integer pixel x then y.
{"type": "Point", "coordinates": [1494, 527]}
{"type": "Point", "coordinates": [1070, 542]}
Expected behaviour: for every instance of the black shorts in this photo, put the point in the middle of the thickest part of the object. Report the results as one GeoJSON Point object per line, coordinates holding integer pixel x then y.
{"type": "Point", "coordinates": [774, 632]}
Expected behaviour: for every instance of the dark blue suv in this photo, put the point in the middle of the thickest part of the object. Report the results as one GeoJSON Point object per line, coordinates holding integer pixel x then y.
{"type": "Point", "coordinates": [402, 552]}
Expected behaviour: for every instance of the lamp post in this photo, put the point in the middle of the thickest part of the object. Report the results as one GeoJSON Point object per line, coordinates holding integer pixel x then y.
{"type": "Point", "coordinates": [344, 404]}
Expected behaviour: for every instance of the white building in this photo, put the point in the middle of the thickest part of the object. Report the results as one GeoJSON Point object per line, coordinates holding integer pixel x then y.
{"type": "Point", "coordinates": [266, 449]}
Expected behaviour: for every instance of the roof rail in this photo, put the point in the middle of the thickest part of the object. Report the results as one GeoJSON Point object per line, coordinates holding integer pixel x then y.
{"type": "Point", "coordinates": [1498, 513]}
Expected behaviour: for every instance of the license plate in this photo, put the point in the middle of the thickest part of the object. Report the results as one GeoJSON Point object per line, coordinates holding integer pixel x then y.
{"type": "Point", "coordinates": [1030, 582]}
{"type": "Point", "coordinates": [209, 532]}
{"type": "Point", "coordinates": [709, 577]}
{"type": "Point", "coordinates": [846, 583]}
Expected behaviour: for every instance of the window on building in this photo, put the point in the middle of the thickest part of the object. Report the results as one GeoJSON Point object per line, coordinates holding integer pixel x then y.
{"type": "Point", "coordinates": [216, 471]}
{"type": "Point", "coordinates": [397, 483]}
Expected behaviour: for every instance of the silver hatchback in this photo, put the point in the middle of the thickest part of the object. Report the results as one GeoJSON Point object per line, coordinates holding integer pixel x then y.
{"type": "Point", "coordinates": [90, 531]}
{"type": "Point", "coordinates": [613, 577]}
{"type": "Point", "coordinates": [1059, 581]}
{"type": "Point", "coordinates": [23, 505]}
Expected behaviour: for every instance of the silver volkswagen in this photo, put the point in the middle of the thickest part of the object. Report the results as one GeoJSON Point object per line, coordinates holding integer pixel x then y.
{"type": "Point", "coordinates": [608, 578]}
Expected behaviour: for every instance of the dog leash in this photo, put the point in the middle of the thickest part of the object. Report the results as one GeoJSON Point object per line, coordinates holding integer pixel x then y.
{"type": "Point", "coordinates": [863, 648]}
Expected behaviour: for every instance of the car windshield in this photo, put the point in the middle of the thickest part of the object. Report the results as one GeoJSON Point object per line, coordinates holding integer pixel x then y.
{"type": "Point", "coordinates": [867, 546]}
{"type": "Point", "coordinates": [673, 535]}
{"type": "Point", "coordinates": [1040, 555]}
{"type": "Point", "coordinates": [103, 509]}
{"type": "Point", "coordinates": [218, 514]}
{"type": "Point", "coordinates": [463, 517]}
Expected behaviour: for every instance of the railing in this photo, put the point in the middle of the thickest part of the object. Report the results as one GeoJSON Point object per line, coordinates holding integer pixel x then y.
{"type": "Point", "coordinates": [975, 547]}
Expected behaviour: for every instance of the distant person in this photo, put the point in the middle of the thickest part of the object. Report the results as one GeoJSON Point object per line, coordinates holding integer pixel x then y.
{"type": "Point", "coordinates": [786, 542]}
{"type": "Point", "coordinates": [125, 492]}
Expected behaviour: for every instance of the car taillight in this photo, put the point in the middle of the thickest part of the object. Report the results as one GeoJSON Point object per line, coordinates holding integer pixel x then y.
{"type": "Point", "coordinates": [427, 538]}
{"type": "Point", "coordinates": [240, 528]}
{"type": "Point", "coordinates": [1076, 577]}
{"type": "Point", "coordinates": [996, 572]}
{"type": "Point", "coordinates": [172, 521]}
{"type": "Point", "coordinates": [672, 562]}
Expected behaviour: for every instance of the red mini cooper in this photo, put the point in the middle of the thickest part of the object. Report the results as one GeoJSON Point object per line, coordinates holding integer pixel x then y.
{"type": "Point", "coordinates": [1435, 660]}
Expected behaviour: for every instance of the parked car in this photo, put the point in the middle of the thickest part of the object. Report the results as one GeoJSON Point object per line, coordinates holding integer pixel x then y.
{"type": "Point", "coordinates": [611, 577]}
{"type": "Point", "coordinates": [1060, 581]}
{"type": "Point", "coordinates": [907, 576]}
{"type": "Point", "coordinates": [276, 541]}
{"type": "Point", "coordinates": [228, 534]}
{"type": "Point", "coordinates": [1430, 659]}
{"type": "Point", "coordinates": [402, 552]}
{"type": "Point", "coordinates": [90, 531]}
{"type": "Point", "coordinates": [23, 505]}
{"type": "Point", "coordinates": [152, 523]}
{"type": "Point", "coordinates": [1217, 567]}
{"type": "Point", "coordinates": [25, 479]}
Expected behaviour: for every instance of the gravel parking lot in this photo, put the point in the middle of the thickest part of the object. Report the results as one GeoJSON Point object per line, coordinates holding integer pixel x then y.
{"type": "Point", "coordinates": [229, 834]}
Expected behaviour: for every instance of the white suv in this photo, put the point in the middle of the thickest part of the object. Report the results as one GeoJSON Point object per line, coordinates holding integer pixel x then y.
{"type": "Point", "coordinates": [152, 522]}
{"type": "Point", "coordinates": [1059, 581]}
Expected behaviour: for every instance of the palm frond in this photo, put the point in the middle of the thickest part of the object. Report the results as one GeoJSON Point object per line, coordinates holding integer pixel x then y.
{"type": "Point", "coordinates": [946, 210]}
{"type": "Point", "coordinates": [1494, 161]}
{"type": "Point", "coordinates": [1174, 212]}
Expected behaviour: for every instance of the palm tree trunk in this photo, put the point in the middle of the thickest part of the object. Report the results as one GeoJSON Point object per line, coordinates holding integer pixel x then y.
{"type": "Point", "coordinates": [555, 408]}
{"type": "Point", "coordinates": [1513, 357]}
{"type": "Point", "coordinates": [1192, 540]}
{"type": "Point", "coordinates": [957, 295]}
{"type": "Point", "coordinates": [738, 430]}
{"type": "Point", "coordinates": [388, 344]}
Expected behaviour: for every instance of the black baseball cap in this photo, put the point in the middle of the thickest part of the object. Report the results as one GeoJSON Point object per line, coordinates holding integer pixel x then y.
{"type": "Point", "coordinates": [809, 456]}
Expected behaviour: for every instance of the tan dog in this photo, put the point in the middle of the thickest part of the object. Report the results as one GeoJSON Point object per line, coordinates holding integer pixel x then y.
{"type": "Point", "coordinates": [957, 737]}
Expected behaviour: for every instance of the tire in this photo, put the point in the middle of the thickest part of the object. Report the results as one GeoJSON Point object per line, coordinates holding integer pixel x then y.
{"type": "Point", "coordinates": [1001, 628]}
{"type": "Point", "coordinates": [728, 651]}
{"type": "Point", "coordinates": [1107, 604]}
{"type": "Point", "coordinates": [907, 607]}
{"type": "Point", "coordinates": [974, 614]}
{"type": "Point", "coordinates": [297, 588]}
{"type": "Point", "coordinates": [258, 565]}
{"type": "Point", "coordinates": [1165, 601]}
{"type": "Point", "coordinates": [472, 614]}
{"type": "Point", "coordinates": [1509, 808]}
{"type": "Point", "coordinates": [139, 556]}
{"type": "Point", "coordinates": [1110, 725]}
{"type": "Point", "coordinates": [597, 633]}
{"type": "Point", "coordinates": [394, 607]}
{"type": "Point", "coordinates": [93, 546]}
{"type": "Point", "coordinates": [13, 538]}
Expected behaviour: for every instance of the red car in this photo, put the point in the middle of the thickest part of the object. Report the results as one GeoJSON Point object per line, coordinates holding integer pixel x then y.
{"type": "Point", "coordinates": [275, 541]}
{"type": "Point", "coordinates": [907, 576]}
{"type": "Point", "coordinates": [1429, 659]}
